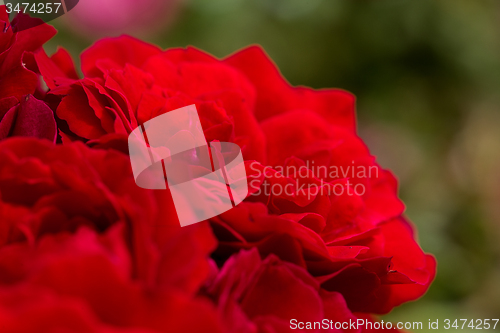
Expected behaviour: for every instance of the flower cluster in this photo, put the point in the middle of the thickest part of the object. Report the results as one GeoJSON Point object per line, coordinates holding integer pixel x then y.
{"type": "Point", "coordinates": [84, 249]}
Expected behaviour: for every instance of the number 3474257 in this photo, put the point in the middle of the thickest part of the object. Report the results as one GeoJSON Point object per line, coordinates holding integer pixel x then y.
{"type": "Point", "coordinates": [35, 8]}
{"type": "Point", "coordinates": [478, 324]}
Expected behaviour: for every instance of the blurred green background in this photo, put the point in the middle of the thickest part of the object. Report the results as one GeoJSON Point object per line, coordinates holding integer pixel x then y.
{"type": "Point", "coordinates": [426, 74]}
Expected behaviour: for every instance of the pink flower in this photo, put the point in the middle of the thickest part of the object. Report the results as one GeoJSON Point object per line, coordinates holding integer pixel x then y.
{"type": "Point", "coordinates": [115, 17]}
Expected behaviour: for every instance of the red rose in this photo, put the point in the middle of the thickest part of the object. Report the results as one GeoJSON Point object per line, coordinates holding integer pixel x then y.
{"type": "Point", "coordinates": [82, 248]}
{"type": "Point", "coordinates": [344, 227]}
{"type": "Point", "coordinates": [21, 114]}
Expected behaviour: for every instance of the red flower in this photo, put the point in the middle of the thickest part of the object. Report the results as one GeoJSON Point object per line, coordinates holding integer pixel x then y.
{"type": "Point", "coordinates": [83, 248]}
{"type": "Point", "coordinates": [20, 113]}
{"type": "Point", "coordinates": [338, 218]}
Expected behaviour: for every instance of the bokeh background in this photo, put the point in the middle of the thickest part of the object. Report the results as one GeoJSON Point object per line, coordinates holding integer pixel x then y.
{"type": "Point", "coordinates": [426, 74]}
